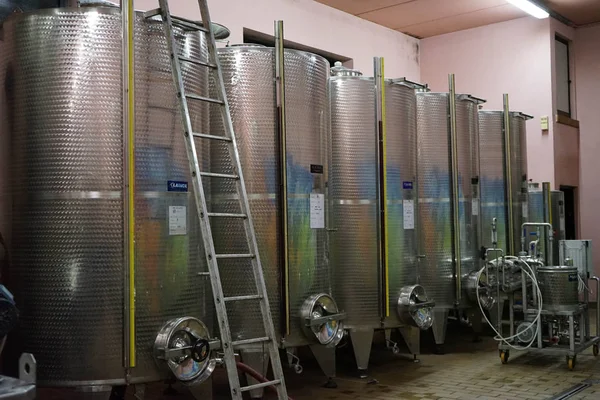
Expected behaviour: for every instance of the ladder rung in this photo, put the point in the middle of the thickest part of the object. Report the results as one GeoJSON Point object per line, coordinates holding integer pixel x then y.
{"type": "Point", "coordinates": [227, 215]}
{"type": "Point", "coordinates": [250, 341]}
{"type": "Point", "coordinates": [152, 13]}
{"type": "Point", "coordinates": [197, 62]}
{"type": "Point", "coordinates": [240, 298]}
{"type": "Point", "coordinates": [216, 175]}
{"type": "Point", "coordinates": [260, 385]}
{"type": "Point", "coordinates": [189, 25]}
{"type": "Point", "coordinates": [248, 255]}
{"type": "Point", "coordinates": [181, 22]}
{"type": "Point", "coordinates": [203, 273]}
{"type": "Point", "coordinates": [202, 98]}
{"type": "Point", "coordinates": [214, 137]}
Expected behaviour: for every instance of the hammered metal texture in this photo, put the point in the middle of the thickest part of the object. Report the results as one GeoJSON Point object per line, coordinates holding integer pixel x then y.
{"type": "Point", "coordinates": [493, 182]}
{"type": "Point", "coordinates": [434, 180]}
{"type": "Point", "coordinates": [557, 212]}
{"type": "Point", "coordinates": [249, 80]}
{"type": "Point", "coordinates": [354, 256]}
{"type": "Point", "coordinates": [358, 284]}
{"type": "Point", "coordinates": [166, 264]}
{"type": "Point", "coordinates": [68, 180]}
{"type": "Point", "coordinates": [5, 198]}
{"type": "Point", "coordinates": [559, 287]}
{"type": "Point", "coordinates": [401, 134]}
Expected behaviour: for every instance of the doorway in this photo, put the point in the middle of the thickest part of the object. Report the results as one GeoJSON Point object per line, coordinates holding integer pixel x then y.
{"type": "Point", "coordinates": [570, 212]}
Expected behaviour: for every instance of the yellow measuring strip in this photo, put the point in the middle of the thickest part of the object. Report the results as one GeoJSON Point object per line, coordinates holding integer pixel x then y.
{"type": "Point", "coordinates": [131, 190]}
{"type": "Point", "coordinates": [384, 191]}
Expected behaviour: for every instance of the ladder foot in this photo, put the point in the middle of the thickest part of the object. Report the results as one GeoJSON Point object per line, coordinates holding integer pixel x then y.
{"type": "Point", "coordinates": [330, 384]}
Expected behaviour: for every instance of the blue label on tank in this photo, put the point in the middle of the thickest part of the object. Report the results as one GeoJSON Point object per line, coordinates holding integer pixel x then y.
{"type": "Point", "coordinates": [407, 185]}
{"type": "Point", "coordinates": [177, 186]}
{"type": "Point", "coordinates": [572, 277]}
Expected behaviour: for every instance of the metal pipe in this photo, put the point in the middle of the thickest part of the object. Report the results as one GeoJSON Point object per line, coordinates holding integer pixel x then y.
{"type": "Point", "coordinates": [281, 123]}
{"type": "Point", "coordinates": [455, 189]}
{"type": "Point", "coordinates": [547, 202]}
{"type": "Point", "coordinates": [508, 176]}
{"type": "Point", "coordinates": [597, 304]}
{"type": "Point", "coordinates": [525, 225]}
{"type": "Point", "coordinates": [380, 119]}
{"type": "Point", "coordinates": [128, 68]}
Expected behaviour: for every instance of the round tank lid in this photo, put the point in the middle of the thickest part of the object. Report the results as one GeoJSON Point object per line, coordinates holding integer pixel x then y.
{"type": "Point", "coordinates": [339, 70]}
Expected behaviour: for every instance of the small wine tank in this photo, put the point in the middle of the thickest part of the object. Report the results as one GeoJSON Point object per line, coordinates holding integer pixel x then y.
{"type": "Point", "coordinates": [69, 267]}
{"type": "Point", "coordinates": [288, 209]}
{"type": "Point", "coordinates": [448, 200]}
{"type": "Point", "coordinates": [366, 289]}
{"type": "Point", "coordinates": [495, 168]}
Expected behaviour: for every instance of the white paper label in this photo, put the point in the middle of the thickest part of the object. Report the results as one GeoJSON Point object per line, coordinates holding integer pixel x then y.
{"type": "Point", "coordinates": [177, 220]}
{"type": "Point", "coordinates": [408, 207]}
{"type": "Point", "coordinates": [525, 209]}
{"type": "Point", "coordinates": [475, 207]}
{"type": "Point", "coordinates": [317, 211]}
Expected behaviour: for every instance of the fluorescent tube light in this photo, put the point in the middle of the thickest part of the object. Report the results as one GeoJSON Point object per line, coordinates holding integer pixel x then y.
{"type": "Point", "coordinates": [530, 8]}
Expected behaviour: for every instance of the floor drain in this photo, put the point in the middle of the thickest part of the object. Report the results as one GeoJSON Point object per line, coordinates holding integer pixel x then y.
{"type": "Point", "coordinates": [572, 391]}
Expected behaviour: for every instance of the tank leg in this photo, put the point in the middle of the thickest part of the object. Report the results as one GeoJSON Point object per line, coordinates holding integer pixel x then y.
{"type": "Point", "coordinates": [361, 343]}
{"type": "Point", "coordinates": [202, 391]}
{"type": "Point", "coordinates": [118, 393]}
{"type": "Point", "coordinates": [412, 337]}
{"type": "Point", "coordinates": [95, 392]}
{"type": "Point", "coordinates": [258, 361]}
{"type": "Point", "coordinates": [326, 358]}
{"type": "Point", "coordinates": [440, 323]}
{"type": "Point", "coordinates": [140, 391]}
{"type": "Point", "coordinates": [476, 318]}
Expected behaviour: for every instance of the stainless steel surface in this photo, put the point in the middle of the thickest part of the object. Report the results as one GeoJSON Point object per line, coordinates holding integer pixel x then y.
{"type": "Point", "coordinates": [435, 222]}
{"type": "Point", "coordinates": [67, 140]}
{"type": "Point", "coordinates": [249, 81]}
{"type": "Point", "coordinates": [493, 182]}
{"type": "Point", "coordinates": [557, 214]}
{"type": "Point", "coordinates": [353, 190]}
{"type": "Point", "coordinates": [558, 285]}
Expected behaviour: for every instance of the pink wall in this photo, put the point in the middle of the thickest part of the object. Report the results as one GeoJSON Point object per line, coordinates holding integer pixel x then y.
{"type": "Point", "coordinates": [587, 78]}
{"type": "Point", "coordinates": [511, 57]}
{"type": "Point", "coordinates": [312, 24]}
{"type": "Point", "coordinates": [566, 155]}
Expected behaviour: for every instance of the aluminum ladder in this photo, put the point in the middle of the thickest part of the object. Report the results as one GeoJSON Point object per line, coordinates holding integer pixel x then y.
{"type": "Point", "coordinates": [228, 345]}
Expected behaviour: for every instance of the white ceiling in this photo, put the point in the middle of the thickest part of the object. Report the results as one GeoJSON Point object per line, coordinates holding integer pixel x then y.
{"type": "Point", "coordinates": [425, 18]}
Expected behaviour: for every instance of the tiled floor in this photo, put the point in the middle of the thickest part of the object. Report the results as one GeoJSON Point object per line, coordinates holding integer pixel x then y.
{"type": "Point", "coordinates": [468, 371]}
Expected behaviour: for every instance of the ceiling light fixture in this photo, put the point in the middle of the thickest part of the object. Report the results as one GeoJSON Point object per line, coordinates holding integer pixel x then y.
{"type": "Point", "coordinates": [530, 8]}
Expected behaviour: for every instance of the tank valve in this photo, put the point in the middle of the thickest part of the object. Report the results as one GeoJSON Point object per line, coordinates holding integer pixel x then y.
{"type": "Point", "coordinates": [393, 346]}
{"type": "Point", "coordinates": [295, 363]}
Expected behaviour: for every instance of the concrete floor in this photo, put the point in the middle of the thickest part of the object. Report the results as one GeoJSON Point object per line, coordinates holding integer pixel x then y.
{"type": "Point", "coordinates": [468, 371]}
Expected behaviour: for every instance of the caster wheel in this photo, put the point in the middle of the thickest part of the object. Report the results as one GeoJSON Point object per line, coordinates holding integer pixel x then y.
{"type": "Point", "coordinates": [504, 357]}
{"type": "Point", "coordinates": [571, 363]}
{"type": "Point", "coordinates": [363, 373]}
{"type": "Point", "coordinates": [439, 349]}
{"type": "Point", "coordinates": [595, 350]}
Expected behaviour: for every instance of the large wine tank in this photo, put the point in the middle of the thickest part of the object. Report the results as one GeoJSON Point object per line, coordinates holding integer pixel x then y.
{"type": "Point", "coordinates": [437, 220]}
{"type": "Point", "coordinates": [364, 290]}
{"type": "Point", "coordinates": [554, 214]}
{"type": "Point", "coordinates": [289, 223]}
{"type": "Point", "coordinates": [495, 168]}
{"type": "Point", "coordinates": [69, 265]}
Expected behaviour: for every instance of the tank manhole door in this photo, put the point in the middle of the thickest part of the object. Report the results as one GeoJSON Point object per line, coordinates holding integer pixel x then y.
{"type": "Point", "coordinates": [183, 346]}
